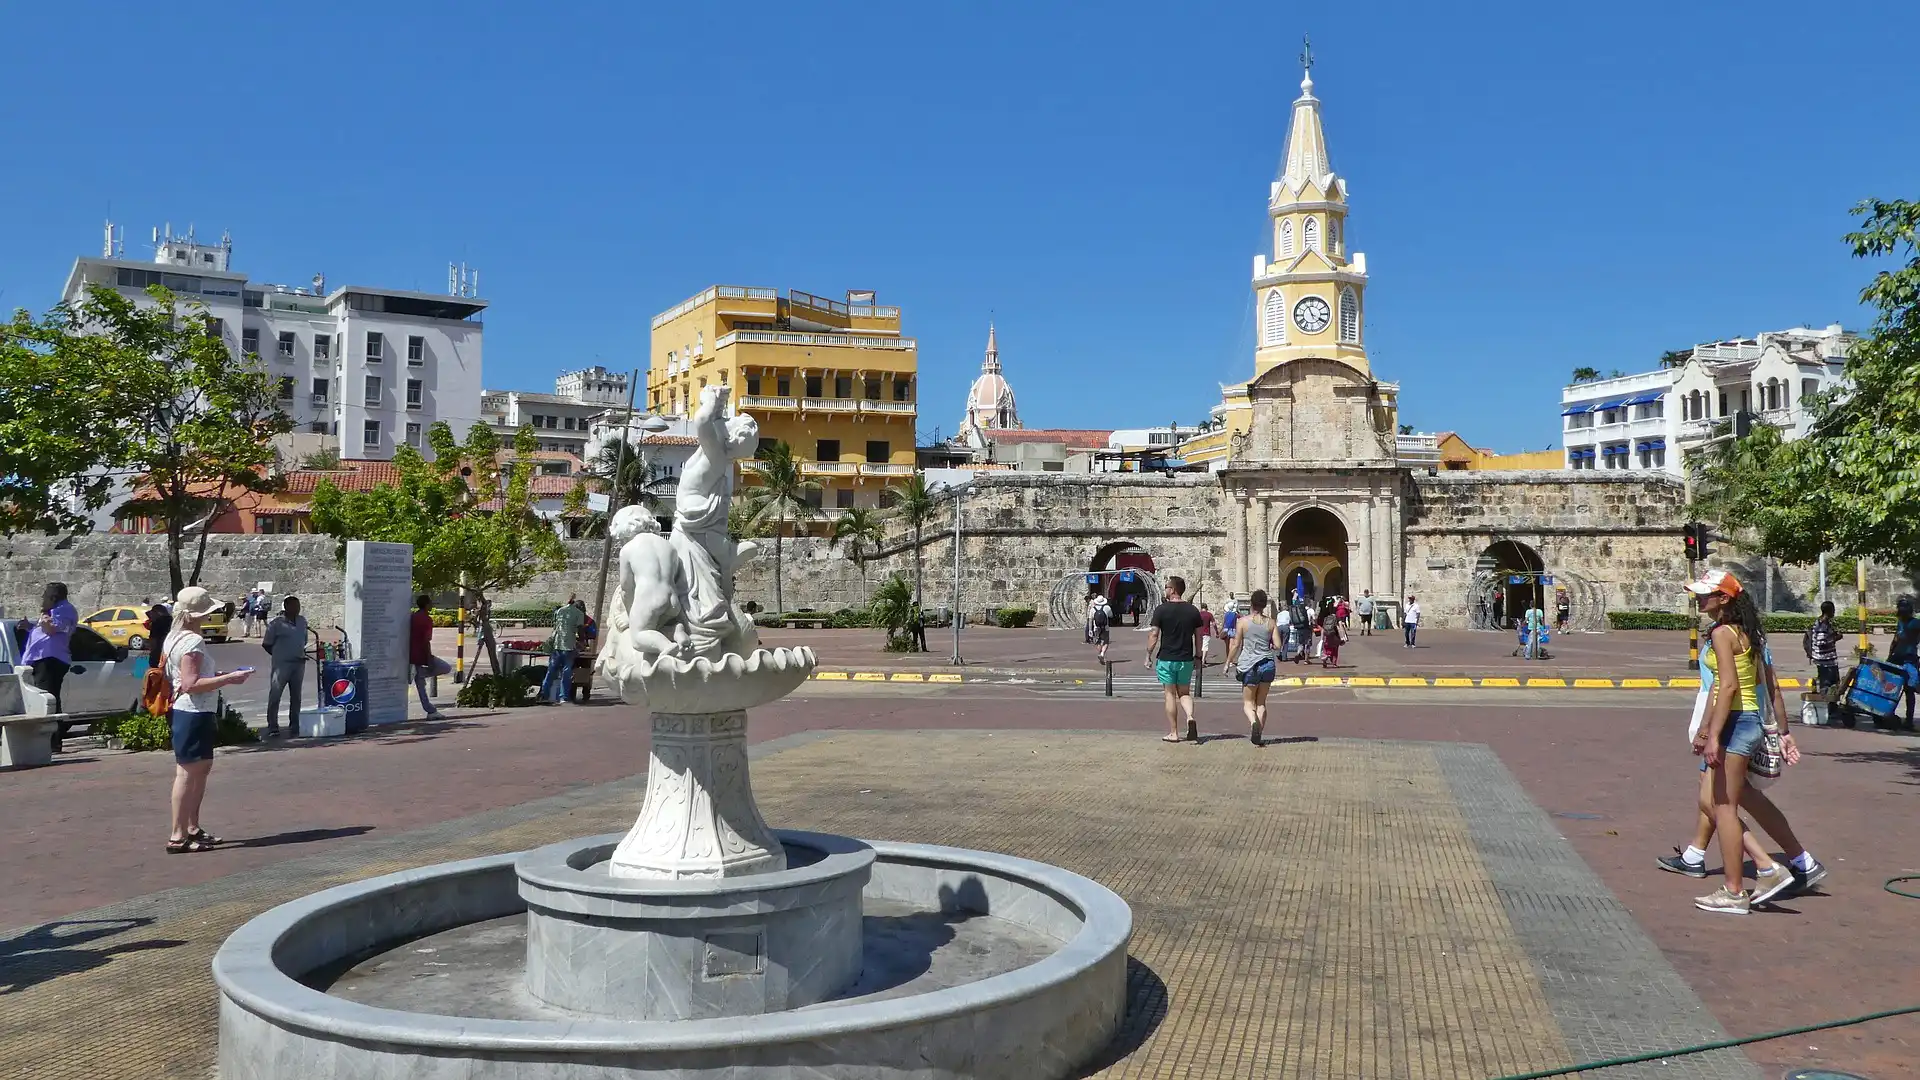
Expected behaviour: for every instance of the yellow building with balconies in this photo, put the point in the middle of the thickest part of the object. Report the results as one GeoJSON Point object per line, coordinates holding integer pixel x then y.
{"type": "Point", "coordinates": [834, 380]}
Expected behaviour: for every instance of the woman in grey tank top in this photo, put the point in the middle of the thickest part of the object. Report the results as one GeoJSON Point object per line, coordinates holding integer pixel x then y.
{"type": "Point", "coordinates": [1252, 658]}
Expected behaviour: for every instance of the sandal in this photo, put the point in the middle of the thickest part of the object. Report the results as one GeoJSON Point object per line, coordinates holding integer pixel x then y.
{"type": "Point", "coordinates": [185, 844]}
{"type": "Point", "coordinates": [1254, 737]}
{"type": "Point", "coordinates": [204, 837]}
{"type": "Point", "coordinates": [1172, 739]}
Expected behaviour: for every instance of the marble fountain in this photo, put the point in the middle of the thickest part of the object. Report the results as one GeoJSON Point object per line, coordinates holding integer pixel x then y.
{"type": "Point", "coordinates": [701, 943]}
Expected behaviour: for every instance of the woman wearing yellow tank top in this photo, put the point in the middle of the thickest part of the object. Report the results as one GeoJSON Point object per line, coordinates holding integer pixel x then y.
{"type": "Point", "coordinates": [1728, 737]}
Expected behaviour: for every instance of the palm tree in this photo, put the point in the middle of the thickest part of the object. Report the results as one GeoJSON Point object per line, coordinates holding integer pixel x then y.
{"type": "Point", "coordinates": [915, 507]}
{"type": "Point", "coordinates": [862, 530]}
{"type": "Point", "coordinates": [620, 464]}
{"type": "Point", "coordinates": [1585, 374]}
{"type": "Point", "coordinates": [780, 497]}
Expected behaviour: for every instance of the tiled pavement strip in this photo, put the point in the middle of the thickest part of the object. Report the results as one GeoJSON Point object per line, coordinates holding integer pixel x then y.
{"type": "Point", "coordinates": [1328, 910]}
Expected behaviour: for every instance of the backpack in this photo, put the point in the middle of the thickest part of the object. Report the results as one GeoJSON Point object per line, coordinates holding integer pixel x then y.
{"type": "Point", "coordinates": [156, 690]}
{"type": "Point", "coordinates": [1102, 617]}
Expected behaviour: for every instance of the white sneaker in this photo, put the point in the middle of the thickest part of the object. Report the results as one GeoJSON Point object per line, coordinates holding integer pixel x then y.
{"type": "Point", "coordinates": [1724, 901]}
{"type": "Point", "coordinates": [1771, 882]}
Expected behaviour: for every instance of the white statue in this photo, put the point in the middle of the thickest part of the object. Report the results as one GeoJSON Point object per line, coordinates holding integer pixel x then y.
{"type": "Point", "coordinates": [677, 643]}
{"type": "Point", "coordinates": [674, 595]}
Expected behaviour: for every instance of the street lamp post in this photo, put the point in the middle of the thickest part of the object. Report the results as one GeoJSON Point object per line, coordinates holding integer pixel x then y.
{"type": "Point", "coordinates": [615, 498]}
{"type": "Point", "coordinates": [959, 500]}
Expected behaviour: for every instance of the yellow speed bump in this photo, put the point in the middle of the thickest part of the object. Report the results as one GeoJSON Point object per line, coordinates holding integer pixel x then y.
{"type": "Point", "coordinates": [1406, 680]}
{"type": "Point", "coordinates": [907, 676]}
{"type": "Point", "coordinates": [1290, 680]}
{"type": "Point", "coordinates": [1443, 681]}
{"type": "Point", "coordinates": [831, 676]}
{"type": "Point", "coordinates": [943, 678]}
{"type": "Point", "coordinates": [1325, 680]}
{"type": "Point", "coordinates": [1368, 680]}
{"type": "Point", "coordinates": [1593, 684]}
{"type": "Point", "coordinates": [1684, 684]}
{"type": "Point", "coordinates": [869, 676]}
{"type": "Point", "coordinates": [1641, 684]}
{"type": "Point", "coordinates": [1500, 682]}
{"type": "Point", "coordinates": [1547, 682]}
{"type": "Point", "coordinates": [1790, 683]}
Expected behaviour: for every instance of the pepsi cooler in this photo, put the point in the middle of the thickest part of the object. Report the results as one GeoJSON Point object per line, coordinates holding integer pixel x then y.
{"type": "Point", "coordinates": [343, 685]}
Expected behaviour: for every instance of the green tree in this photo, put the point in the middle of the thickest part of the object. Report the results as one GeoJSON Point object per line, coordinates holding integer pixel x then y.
{"type": "Point", "coordinates": [469, 530]}
{"type": "Point", "coordinates": [1851, 484]}
{"type": "Point", "coordinates": [321, 460]}
{"type": "Point", "coordinates": [54, 450]}
{"type": "Point", "coordinates": [1585, 374]}
{"type": "Point", "coordinates": [915, 506]}
{"type": "Point", "coordinates": [860, 530]}
{"type": "Point", "coordinates": [779, 498]}
{"type": "Point", "coordinates": [192, 423]}
{"type": "Point", "coordinates": [624, 466]}
{"type": "Point", "coordinates": [893, 607]}
{"type": "Point", "coordinates": [1673, 358]}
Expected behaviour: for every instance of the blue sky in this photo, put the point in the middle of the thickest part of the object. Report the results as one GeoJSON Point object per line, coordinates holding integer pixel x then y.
{"type": "Point", "coordinates": [1537, 187]}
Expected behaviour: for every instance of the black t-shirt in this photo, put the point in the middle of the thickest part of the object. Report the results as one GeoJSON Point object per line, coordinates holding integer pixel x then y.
{"type": "Point", "coordinates": [1177, 622]}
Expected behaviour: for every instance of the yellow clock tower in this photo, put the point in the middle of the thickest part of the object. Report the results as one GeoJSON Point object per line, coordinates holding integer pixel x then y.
{"type": "Point", "coordinates": [1310, 297]}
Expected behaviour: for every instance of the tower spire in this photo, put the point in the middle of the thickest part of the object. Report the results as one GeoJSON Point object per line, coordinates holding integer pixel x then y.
{"type": "Point", "coordinates": [991, 366]}
{"type": "Point", "coordinates": [1306, 140]}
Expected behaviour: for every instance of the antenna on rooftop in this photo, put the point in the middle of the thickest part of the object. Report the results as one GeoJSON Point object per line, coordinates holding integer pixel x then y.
{"type": "Point", "coordinates": [115, 241]}
{"type": "Point", "coordinates": [461, 281]}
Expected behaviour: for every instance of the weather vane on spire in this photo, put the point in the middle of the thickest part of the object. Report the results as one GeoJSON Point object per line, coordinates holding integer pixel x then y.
{"type": "Point", "coordinates": [1306, 52]}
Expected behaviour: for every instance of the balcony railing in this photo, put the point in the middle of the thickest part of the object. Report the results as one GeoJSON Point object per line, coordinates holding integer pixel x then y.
{"type": "Point", "coordinates": [885, 469]}
{"type": "Point", "coordinates": [742, 292]}
{"type": "Point", "coordinates": [873, 311]}
{"type": "Point", "coordinates": [788, 337]}
{"type": "Point", "coordinates": [901, 408]}
{"type": "Point", "coordinates": [830, 468]}
{"type": "Point", "coordinates": [829, 404]}
{"type": "Point", "coordinates": [773, 404]}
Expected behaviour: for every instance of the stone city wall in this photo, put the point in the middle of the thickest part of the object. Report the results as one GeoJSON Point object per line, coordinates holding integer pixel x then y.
{"type": "Point", "coordinates": [1024, 532]}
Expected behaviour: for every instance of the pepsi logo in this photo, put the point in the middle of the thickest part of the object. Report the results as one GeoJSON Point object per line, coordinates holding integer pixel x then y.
{"type": "Point", "coordinates": [343, 691]}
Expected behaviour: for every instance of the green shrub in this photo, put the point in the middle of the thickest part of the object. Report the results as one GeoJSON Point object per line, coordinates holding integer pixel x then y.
{"type": "Point", "coordinates": [1778, 622]}
{"type": "Point", "coordinates": [771, 622]}
{"type": "Point", "coordinates": [230, 730]}
{"type": "Point", "coordinates": [898, 644]}
{"type": "Point", "coordinates": [1013, 617]}
{"type": "Point", "coordinates": [1649, 620]}
{"type": "Point", "coordinates": [851, 619]}
{"type": "Point", "coordinates": [136, 730]}
{"type": "Point", "coordinates": [531, 614]}
{"type": "Point", "coordinates": [492, 691]}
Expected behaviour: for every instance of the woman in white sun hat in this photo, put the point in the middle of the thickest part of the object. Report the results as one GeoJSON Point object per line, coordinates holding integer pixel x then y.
{"type": "Point", "coordinates": [196, 701]}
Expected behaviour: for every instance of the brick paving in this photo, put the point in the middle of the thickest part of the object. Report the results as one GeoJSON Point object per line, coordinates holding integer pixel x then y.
{"type": "Point", "coordinates": [84, 836]}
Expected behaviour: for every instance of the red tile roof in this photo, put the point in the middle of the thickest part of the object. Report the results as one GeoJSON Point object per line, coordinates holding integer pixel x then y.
{"type": "Point", "coordinates": [350, 476]}
{"type": "Point", "coordinates": [552, 485]}
{"type": "Point", "coordinates": [1078, 439]}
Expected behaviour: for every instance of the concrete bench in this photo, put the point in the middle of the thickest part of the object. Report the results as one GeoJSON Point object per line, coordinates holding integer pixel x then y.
{"type": "Point", "coordinates": [806, 624]}
{"type": "Point", "coordinates": [27, 740]}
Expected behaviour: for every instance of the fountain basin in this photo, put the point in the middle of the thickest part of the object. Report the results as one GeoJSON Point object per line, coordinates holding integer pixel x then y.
{"type": "Point", "coordinates": [687, 949]}
{"type": "Point", "coordinates": [1041, 1019]}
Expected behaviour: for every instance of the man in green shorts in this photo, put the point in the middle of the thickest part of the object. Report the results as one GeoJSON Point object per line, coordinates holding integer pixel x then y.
{"type": "Point", "coordinates": [1172, 646]}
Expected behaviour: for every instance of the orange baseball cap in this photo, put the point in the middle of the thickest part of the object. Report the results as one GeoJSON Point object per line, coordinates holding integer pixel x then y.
{"type": "Point", "coordinates": [1715, 581]}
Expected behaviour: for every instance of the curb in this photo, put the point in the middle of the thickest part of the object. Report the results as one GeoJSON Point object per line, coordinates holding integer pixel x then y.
{"type": "Point", "coordinates": [1501, 682]}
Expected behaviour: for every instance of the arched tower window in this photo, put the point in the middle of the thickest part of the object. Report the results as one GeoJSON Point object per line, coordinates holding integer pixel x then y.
{"type": "Point", "coordinates": [1349, 316]}
{"type": "Point", "coordinates": [1311, 234]}
{"type": "Point", "coordinates": [1286, 239]}
{"type": "Point", "coordinates": [1333, 235]}
{"type": "Point", "coordinates": [1273, 320]}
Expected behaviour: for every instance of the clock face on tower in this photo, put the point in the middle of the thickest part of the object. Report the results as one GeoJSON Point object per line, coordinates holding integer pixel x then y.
{"type": "Point", "coordinates": [1311, 315]}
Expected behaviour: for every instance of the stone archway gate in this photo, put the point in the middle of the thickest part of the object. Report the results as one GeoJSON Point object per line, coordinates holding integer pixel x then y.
{"type": "Point", "coordinates": [1067, 604]}
{"type": "Point", "coordinates": [1587, 599]}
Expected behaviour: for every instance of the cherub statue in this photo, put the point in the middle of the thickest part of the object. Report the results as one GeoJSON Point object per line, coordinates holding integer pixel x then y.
{"type": "Point", "coordinates": [675, 593]}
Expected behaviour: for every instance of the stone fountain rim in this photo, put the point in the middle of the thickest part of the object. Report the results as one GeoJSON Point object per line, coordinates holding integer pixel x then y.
{"type": "Point", "coordinates": [245, 972]}
{"type": "Point", "coordinates": [552, 868]}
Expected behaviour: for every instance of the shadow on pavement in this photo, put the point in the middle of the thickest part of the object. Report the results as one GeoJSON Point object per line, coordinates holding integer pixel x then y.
{"type": "Point", "coordinates": [1905, 755]}
{"type": "Point", "coordinates": [299, 836]}
{"type": "Point", "coordinates": [1146, 1008]}
{"type": "Point", "coordinates": [51, 950]}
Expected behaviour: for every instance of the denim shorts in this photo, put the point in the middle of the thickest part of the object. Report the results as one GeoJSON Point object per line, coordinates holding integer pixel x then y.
{"type": "Point", "coordinates": [192, 736]}
{"type": "Point", "coordinates": [1740, 735]}
{"type": "Point", "coordinates": [1259, 674]}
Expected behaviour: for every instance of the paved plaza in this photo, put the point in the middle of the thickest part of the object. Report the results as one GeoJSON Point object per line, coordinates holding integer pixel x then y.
{"type": "Point", "coordinates": [1430, 883]}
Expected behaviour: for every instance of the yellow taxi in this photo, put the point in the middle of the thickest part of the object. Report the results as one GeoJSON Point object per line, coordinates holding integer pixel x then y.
{"type": "Point", "coordinates": [120, 625]}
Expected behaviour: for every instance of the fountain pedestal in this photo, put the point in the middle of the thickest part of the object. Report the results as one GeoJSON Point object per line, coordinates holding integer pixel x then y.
{"type": "Point", "coordinates": [699, 819]}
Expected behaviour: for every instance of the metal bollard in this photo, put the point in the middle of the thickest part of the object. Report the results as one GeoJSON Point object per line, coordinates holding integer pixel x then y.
{"type": "Point", "coordinates": [1199, 680]}
{"type": "Point", "coordinates": [1108, 664]}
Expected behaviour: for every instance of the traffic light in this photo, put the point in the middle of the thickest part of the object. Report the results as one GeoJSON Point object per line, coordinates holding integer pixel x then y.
{"type": "Point", "coordinates": [1690, 536]}
{"type": "Point", "coordinates": [1702, 537]}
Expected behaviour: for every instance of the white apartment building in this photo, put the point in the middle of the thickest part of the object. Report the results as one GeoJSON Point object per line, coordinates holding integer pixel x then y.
{"type": "Point", "coordinates": [371, 368]}
{"type": "Point", "coordinates": [1652, 419]}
